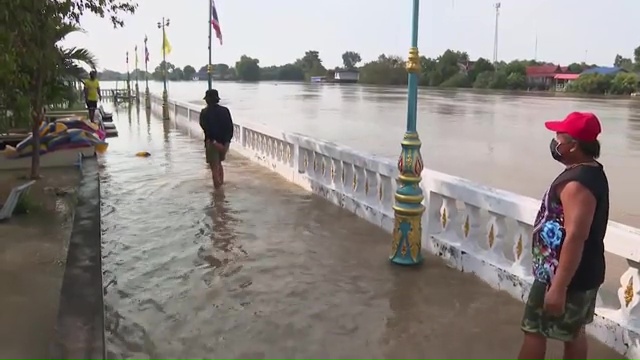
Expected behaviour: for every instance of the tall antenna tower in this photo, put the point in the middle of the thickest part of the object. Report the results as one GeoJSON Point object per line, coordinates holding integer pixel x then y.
{"type": "Point", "coordinates": [495, 39]}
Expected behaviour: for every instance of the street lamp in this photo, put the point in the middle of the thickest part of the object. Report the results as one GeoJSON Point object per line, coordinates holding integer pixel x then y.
{"type": "Point", "coordinates": [165, 97]}
{"type": "Point", "coordinates": [147, 99]}
{"type": "Point", "coordinates": [128, 79]}
{"type": "Point", "coordinates": [408, 208]}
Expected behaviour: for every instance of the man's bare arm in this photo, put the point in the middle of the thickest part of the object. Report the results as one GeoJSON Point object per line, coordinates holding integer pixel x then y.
{"type": "Point", "coordinates": [579, 205]}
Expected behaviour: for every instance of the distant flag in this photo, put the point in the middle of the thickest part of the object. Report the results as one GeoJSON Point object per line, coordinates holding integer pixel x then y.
{"type": "Point", "coordinates": [215, 22]}
{"type": "Point", "coordinates": [166, 45]}
{"type": "Point", "coordinates": [136, 50]}
{"type": "Point", "coordinates": [146, 50]}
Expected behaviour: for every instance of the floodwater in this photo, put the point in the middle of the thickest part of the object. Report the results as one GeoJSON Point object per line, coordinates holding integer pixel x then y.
{"type": "Point", "coordinates": [266, 270]}
{"type": "Point", "coordinates": [494, 139]}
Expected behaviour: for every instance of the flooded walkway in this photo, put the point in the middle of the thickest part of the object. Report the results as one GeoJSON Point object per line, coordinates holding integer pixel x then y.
{"type": "Point", "coordinates": [266, 270]}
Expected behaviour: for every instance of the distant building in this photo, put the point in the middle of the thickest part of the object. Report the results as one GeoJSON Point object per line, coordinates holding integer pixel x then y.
{"type": "Point", "coordinates": [563, 80]}
{"type": "Point", "coordinates": [543, 76]}
{"type": "Point", "coordinates": [604, 70]}
{"type": "Point", "coordinates": [346, 76]}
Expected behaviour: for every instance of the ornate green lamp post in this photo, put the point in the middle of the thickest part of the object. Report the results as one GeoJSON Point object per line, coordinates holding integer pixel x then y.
{"type": "Point", "coordinates": [147, 99]}
{"type": "Point", "coordinates": [128, 80]}
{"type": "Point", "coordinates": [165, 96]}
{"type": "Point", "coordinates": [408, 208]}
{"type": "Point", "coordinates": [137, 72]}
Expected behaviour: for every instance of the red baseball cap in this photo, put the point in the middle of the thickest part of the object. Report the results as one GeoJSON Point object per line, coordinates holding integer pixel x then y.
{"type": "Point", "coordinates": [583, 126]}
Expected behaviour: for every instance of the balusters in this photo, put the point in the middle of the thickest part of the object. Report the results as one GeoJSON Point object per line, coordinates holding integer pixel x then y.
{"type": "Point", "coordinates": [314, 166]}
{"type": "Point", "coordinates": [280, 151]}
{"type": "Point", "coordinates": [472, 230]}
{"type": "Point", "coordinates": [496, 235]}
{"type": "Point", "coordinates": [434, 214]}
{"type": "Point", "coordinates": [371, 188]}
{"type": "Point", "coordinates": [324, 173]}
{"type": "Point", "coordinates": [358, 182]}
{"type": "Point", "coordinates": [522, 249]}
{"type": "Point", "coordinates": [629, 291]}
{"type": "Point", "coordinates": [289, 154]}
{"type": "Point", "coordinates": [347, 177]}
{"type": "Point", "coordinates": [303, 160]}
{"type": "Point", "coordinates": [336, 171]}
{"type": "Point", "coordinates": [385, 194]}
{"type": "Point", "coordinates": [450, 219]}
{"type": "Point", "coordinates": [273, 148]}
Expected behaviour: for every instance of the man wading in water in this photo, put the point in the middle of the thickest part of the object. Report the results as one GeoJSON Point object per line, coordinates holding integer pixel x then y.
{"type": "Point", "coordinates": [568, 242]}
{"type": "Point", "coordinates": [215, 121]}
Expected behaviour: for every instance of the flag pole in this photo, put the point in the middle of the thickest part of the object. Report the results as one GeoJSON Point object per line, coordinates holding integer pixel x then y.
{"type": "Point", "coordinates": [137, 71]}
{"type": "Point", "coordinates": [209, 66]}
{"type": "Point", "coordinates": [147, 100]}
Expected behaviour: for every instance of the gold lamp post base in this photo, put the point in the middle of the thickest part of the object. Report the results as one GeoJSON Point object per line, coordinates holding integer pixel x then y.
{"type": "Point", "coordinates": [406, 248]}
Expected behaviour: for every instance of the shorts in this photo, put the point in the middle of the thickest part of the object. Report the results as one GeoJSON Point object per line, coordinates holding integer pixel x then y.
{"type": "Point", "coordinates": [92, 104]}
{"type": "Point", "coordinates": [213, 154]}
{"type": "Point", "coordinates": [579, 311]}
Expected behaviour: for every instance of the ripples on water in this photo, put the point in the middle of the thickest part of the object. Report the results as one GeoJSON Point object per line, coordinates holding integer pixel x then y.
{"type": "Point", "coordinates": [174, 251]}
{"type": "Point", "coordinates": [495, 138]}
{"type": "Point", "coordinates": [265, 270]}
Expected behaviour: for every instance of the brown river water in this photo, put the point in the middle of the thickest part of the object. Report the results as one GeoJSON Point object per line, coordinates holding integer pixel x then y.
{"type": "Point", "coordinates": [188, 271]}
{"type": "Point", "coordinates": [494, 139]}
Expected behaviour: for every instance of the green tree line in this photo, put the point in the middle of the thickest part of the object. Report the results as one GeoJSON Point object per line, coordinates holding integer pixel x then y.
{"type": "Point", "coordinates": [452, 69]}
{"type": "Point", "coordinates": [245, 69]}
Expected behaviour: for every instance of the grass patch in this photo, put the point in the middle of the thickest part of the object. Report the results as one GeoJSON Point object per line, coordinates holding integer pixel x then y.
{"type": "Point", "coordinates": [26, 205]}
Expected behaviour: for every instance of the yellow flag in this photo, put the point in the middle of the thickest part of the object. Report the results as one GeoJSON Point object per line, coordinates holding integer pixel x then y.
{"type": "Point", "coordinates": [166, 46]}
{"type": "Point", "coordinates": [136, 51]}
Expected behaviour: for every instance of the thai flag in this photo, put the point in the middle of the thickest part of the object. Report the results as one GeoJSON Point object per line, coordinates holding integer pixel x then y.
{"type": "Point", "coordinates": [146, 50]}
{"type": "Point", "coordinates": [215, 22]}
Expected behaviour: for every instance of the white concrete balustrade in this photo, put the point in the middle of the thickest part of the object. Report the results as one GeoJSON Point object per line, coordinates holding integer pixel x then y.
{"type": "Point", "coordinates": [474, 228]}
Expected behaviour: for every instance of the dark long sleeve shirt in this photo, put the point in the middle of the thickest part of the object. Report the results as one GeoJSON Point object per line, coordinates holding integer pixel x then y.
{"type": "Point", "coordinates": [215, 121]}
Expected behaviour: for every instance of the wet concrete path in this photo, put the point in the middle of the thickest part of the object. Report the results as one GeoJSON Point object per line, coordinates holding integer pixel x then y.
{"type": "Point", "coordinates": [266, 270]}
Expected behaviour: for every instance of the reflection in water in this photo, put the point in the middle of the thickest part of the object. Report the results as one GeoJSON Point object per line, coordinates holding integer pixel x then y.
{"type": "Point", "coordinates": [137, 116]}
{"type": "Point", "coordinates": [147, 115]}
{"type": "Point", "coordinates": [633, 133]}
{"type": "Point", "coordinates": [129, 116]}
{"type": "Point", "coordinates": [222, 235]}
{"type": "Point", "coordinates": [350, 92]}
{"type": "Point", "coordinates": [311, 91]}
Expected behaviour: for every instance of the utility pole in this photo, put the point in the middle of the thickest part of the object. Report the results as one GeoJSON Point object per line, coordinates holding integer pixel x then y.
{"type": "Point", "coordinates": [535, 51]}
{"type": "Point", "coordinates": [495, 38]}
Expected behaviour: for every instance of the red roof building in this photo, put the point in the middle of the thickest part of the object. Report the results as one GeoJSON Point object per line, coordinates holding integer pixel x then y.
{"type": "Point", "coordinates": [542, 76]}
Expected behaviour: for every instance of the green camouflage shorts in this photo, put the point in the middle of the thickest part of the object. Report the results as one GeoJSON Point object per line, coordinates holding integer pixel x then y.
{"type": "Point", "coordinates": [214, 155]}
{"type": "Point", "coordinates": [579, 311]}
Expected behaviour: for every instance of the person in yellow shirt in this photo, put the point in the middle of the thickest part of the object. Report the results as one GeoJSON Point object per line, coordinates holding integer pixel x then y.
{"type": "Point", "coordinates": [92, 93]}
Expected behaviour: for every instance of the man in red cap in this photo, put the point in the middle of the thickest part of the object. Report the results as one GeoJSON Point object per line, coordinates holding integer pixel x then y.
{"type": "Point", "coordinates": [568, 242]}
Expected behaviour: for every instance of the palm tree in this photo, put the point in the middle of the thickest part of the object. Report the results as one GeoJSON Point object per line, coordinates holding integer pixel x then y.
{"type": "Point", "coordinates": [61, 88]}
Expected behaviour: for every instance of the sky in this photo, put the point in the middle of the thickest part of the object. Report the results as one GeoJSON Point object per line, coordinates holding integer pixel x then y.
{"type": "Point", "coordinates": [280, 31]}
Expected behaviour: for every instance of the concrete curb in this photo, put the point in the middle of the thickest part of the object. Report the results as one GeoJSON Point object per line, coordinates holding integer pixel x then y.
{"type": "Point", "coordinates": [79, 330]}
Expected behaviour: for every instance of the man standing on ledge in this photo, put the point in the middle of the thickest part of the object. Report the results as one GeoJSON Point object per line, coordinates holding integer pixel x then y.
{"type": "Point", "coordinates": [92, 93]}
{"type": "Point", "coordinates": [568, 242]}
{"type": "Point", "coordinates": [215, 121]}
